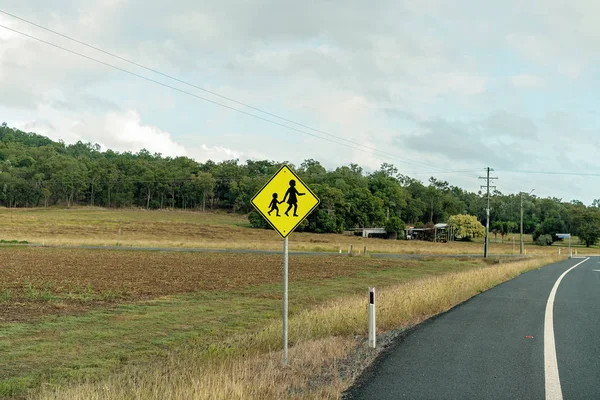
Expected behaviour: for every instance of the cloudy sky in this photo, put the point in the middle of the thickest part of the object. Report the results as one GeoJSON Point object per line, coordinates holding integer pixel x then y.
{"type": "Point", "coordinates": [434, 87]}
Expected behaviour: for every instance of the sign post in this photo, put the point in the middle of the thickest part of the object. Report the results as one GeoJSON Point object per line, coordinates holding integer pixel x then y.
{"type": "Point", "coordinates": [285, 301]}
{"type": "Point", "coordinates": [285, 187]}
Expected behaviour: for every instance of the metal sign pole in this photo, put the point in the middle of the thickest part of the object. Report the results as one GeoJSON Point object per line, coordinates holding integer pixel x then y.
{"type": "Point", "coordinates": [285, 301]}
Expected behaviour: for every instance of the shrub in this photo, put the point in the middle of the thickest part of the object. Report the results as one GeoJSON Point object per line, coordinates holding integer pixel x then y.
{"type": "Point", "coordinates": [257, 220]}
{"type": "Point", "coordinates": [394, 225]}
{"type": "Point", "coordinates": [544, 240]}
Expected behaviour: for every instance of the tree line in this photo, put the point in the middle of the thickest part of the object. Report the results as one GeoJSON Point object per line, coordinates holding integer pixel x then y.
{"type": "Point", "coordinates": [38, 172]}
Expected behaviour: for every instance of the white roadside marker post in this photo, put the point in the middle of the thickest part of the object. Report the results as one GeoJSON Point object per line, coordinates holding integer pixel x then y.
{"type": "Point", "coordinates": [372, 328]}
{"type": "Point", "coordinates": [570, 249]}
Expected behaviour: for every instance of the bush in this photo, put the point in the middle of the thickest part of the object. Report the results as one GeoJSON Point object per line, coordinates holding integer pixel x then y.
{"type": "Point", "coordinates": [257, 220]}
{"type": "Point", "coordinates": [394, 225]}
{"type": "Point", "coordinates": [544, 240]}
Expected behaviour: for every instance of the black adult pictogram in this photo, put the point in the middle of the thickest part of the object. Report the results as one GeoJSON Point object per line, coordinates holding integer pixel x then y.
{"type": "Point", "coordinates": [292, 200]}
{"type": "Point", "coordinates": [273, 205]}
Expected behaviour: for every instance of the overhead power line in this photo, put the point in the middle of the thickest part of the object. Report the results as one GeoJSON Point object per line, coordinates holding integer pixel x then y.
{"type": "Point", "coordinates": [550, 172]}
{"type": "Point", "coordinates": [169, 86]}
{"type": "Point", "coordinates": [361, 147]}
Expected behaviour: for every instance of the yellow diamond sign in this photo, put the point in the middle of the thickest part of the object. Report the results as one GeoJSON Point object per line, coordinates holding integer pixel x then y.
{"type": "Point", "coordinates": [285, 201]}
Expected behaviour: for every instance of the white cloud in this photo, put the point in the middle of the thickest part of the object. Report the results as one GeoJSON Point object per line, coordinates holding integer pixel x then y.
{"type": "Point", "coordinates": [527, 81]}
{"type": "Point", "coordinates": [215, 153]}
{"type": "Point", "coordinates": [532, 47]}
{"type": "Point", "coordinates": [116, 130]}
{"type": "Point", "coordinates": [124, 131]}
{"type": "Point", "coordinates": [5, 34]}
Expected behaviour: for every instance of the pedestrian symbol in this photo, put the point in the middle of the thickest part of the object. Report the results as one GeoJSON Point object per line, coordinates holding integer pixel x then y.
{"type": "Point", "coordinates": [299, 199]}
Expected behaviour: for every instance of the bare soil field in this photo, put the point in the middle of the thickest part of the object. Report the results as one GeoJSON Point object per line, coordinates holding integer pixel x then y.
{"type": "Point", "coordinates": [42, 281]}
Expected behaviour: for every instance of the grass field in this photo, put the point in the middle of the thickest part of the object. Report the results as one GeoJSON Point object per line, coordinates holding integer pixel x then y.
{"type": "Point", "coordinates": [246, 362]}
{"type": "Point", "coordinates": [181, 229]}
{"type": "Point", "coordinates": [114, 320]}
{"type": "Point", "coordinates": [69, 314]}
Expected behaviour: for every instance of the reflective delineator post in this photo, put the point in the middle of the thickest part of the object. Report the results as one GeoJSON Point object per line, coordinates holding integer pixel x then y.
{"type": "Point", "coordinates": [285, 301]}
{"type": "Point", "coordinates": [372, 328]}
{"type": "Point", "coordinates": [570, 249]}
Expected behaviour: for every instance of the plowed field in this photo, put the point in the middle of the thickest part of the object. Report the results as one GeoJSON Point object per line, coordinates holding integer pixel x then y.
{"type": "Point", "coordinates": [42, 281]}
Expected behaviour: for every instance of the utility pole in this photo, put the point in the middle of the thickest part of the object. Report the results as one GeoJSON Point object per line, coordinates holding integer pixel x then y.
{"type": "Point", "coordinates": [522, 219]}
{"type": "Point", "coordinates": [487, 220]}
{"type": "Point", "coordinates": [521, 222]}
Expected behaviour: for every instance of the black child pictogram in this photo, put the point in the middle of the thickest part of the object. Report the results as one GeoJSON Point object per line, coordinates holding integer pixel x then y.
{"type": "Point", "coordinates": [273, 205]}
{"type": "Point", "coordinates": [292, 200]}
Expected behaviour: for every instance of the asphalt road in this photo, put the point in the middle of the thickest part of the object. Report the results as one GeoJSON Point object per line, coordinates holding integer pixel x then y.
{"type": "Point", "coordinates": [498, 344]}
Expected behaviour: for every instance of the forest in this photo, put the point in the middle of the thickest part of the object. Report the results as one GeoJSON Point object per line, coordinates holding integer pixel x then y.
{"type": "Point", "coordinates": [38, 172]}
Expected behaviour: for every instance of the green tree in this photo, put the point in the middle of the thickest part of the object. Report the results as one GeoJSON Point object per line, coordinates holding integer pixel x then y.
{"type": "Point", "coordinates": [589, 232]}
{"type": "Point", "coordinates": [394, 226]}
{"type": "Point", "coordinates": [387, 188]}
{"type": "Point", "coordinates": [204, 184]}
{"type": "Point", "coordinates": [466, 227]}
{"type": "Point", "coordinates": [498, 228]}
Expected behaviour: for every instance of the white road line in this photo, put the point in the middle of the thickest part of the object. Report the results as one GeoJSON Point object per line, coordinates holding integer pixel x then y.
{"type": "Point", "coordinates": [553, 389]}
{"type": "Point", "coordinates": [596, 270]}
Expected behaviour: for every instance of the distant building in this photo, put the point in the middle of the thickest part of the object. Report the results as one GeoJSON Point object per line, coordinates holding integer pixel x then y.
{"type": "Point", "coordinates": [370, 232]}
{"type": "Point", "coordinates": [441, 232]}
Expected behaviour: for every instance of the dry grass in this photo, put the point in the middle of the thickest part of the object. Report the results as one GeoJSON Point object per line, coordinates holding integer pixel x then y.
{"type": "Point", "coordinates": [322, 338]}
{"type": "Point", "coordinates": [185, 229]}
{"type": "Point", "coordinates": [257, 377]}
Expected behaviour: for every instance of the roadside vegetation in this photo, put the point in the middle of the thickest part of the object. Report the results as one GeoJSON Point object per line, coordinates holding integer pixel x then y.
{"type": "Point", "coordinates": [326, 337]}
{"type": "Point", "coordinates": [71, 314]}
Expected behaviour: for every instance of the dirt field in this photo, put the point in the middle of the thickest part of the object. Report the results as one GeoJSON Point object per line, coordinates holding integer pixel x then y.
{"type": "Point", "coordinates": [42, 281]}
{"type": "Point", "coordinates": [68, 315]}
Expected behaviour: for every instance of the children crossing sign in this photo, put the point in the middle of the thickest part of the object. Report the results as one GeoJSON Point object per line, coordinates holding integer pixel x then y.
{"type": "Point", "coordinates": [285, 201]}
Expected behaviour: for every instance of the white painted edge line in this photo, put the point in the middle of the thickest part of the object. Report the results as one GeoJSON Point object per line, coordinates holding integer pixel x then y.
{"type": "Point", "coordinates": [553, 389]}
